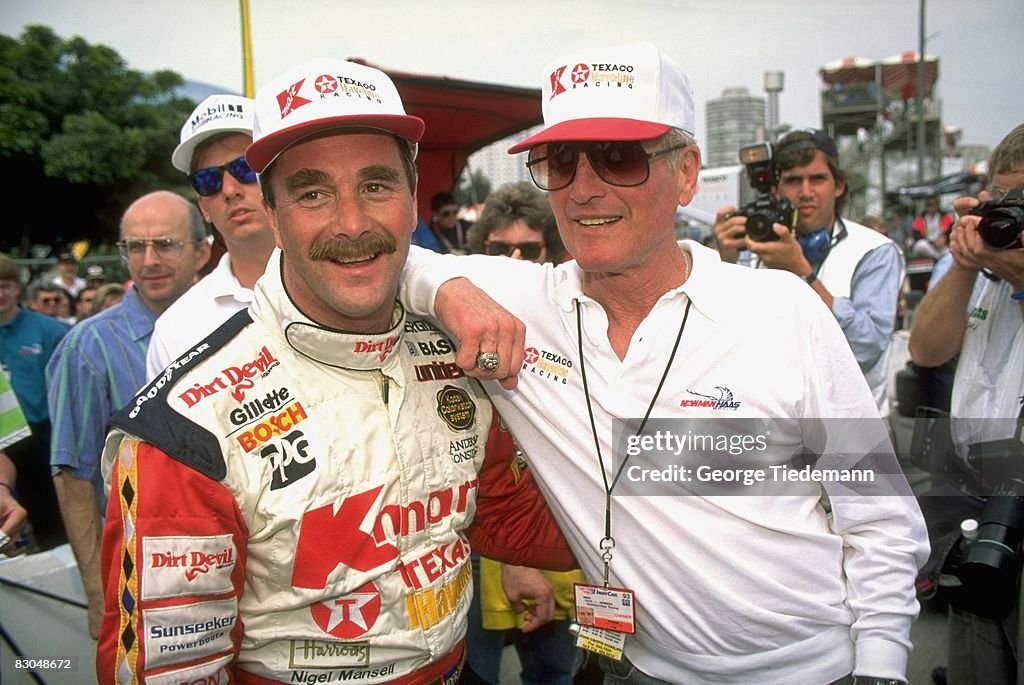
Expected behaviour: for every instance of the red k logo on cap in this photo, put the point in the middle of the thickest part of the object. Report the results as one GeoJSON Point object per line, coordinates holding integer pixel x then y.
{"type": "Point", "coordinates": [290, 100]}
{"type": "Point", "coordinates": [325, 84]}
{"type": "Point", "coordinates": [580, 73]}
{"type": "Point", "coordinates": [556, 84]}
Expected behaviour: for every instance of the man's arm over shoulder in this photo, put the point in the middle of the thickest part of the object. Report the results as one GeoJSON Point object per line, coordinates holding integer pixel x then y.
{"type": "Point", "coordinates": [458, 291]}
{"type": "Point", "coordinates": [172, 616]}
{"type": "Point", "coordinates": [868, 316]}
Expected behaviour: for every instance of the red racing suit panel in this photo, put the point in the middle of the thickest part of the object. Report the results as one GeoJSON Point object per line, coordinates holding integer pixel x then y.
{"type": "Point", "coordinates": [173, 570]}
{"type": "Point", "coordinates": [513, 523]}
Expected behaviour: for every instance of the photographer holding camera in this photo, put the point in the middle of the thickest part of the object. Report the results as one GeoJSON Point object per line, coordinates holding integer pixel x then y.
{"type": "Point", "coordinates": [856, 271]}
{"type": "Point", "coordinates": [977, 310]}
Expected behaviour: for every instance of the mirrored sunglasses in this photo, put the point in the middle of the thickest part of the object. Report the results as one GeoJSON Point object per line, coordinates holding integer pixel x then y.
{"type": "Point", "coordinates": [209, 180]}
{"type": "Point", "coordinates": [619, 163]}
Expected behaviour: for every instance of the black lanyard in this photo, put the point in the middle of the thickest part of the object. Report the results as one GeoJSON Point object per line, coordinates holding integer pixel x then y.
{"type": "Point", "coordinates": [608, 542]}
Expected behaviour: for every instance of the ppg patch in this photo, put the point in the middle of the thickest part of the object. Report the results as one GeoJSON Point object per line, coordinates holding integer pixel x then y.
{"type": "Point", "coordinates": [456, 407]}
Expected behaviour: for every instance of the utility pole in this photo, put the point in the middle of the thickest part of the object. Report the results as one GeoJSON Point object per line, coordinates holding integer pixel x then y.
{"type": "Point", "coordinates": [248, 84]}
{"type": "Point", "coordinates": [920, 96]}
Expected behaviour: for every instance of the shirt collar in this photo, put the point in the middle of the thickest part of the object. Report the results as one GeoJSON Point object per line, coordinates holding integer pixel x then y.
{"type": "Point", "coordinates": [708, 277]}
{"type": "Point", "coordinates": [328, 346]}
{"type": "Point", "coordinates": [137, 315]}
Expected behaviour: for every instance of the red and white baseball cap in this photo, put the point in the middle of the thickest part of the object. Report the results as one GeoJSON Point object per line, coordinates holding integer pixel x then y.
{"type": "Point", "coordinates": [322, 94]}
{"type": "Point", "coordinates": [216, 115]}
{"type": "Point", "coordinates": [625, 92]}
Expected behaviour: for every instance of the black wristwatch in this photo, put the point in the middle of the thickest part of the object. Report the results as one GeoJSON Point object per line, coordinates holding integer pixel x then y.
{"type": "Point", "coordinates": [871, 680]}
{"type": "Point", "coordinates": [811, 277]}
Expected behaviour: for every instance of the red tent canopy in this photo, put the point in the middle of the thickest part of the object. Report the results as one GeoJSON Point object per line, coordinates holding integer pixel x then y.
{"type": "Point", "coordinates": [898, 73]}
{"type": "Point", "coordinates": [461, 117]}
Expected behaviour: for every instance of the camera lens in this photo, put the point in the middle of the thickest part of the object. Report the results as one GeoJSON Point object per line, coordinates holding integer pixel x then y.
{"type": "Point", "coordinates": [759, 228]}
{"type": "Point", "coordinates": [992, 562]}
{"type": "Point", "coordinates": [1000, 228]}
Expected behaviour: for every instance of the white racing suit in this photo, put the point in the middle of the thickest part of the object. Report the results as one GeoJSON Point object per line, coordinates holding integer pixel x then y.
{"type": "Point", "coordinates": [289, 503]}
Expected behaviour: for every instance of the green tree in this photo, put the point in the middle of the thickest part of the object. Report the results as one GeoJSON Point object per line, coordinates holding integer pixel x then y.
{"type": "Point", "coordinates": [81, 136]}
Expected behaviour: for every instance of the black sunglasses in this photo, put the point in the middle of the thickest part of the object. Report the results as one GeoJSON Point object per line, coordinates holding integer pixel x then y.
{"type": "Point", "coordinates": [209, 180]}
{"type": "Point", "coordinates": [619, 163]}
{"type": "Point", "coordinates": [529, 250]}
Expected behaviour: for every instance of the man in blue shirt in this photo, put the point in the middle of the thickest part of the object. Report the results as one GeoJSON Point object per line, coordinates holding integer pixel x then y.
{"type": "Point", "coordinates": [857, 272]}
{"type": "Point", "coordinates": [27, 339]}
{"type": "Point", "coordinates": [101, 364]}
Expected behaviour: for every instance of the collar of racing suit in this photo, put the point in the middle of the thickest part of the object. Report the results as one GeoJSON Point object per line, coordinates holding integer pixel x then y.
{"type": "Point", "coordinates": [323, 345]}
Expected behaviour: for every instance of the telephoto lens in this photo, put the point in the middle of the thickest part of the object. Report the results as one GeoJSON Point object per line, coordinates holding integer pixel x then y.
{"type": "Point", "coordinates": [991, 564]}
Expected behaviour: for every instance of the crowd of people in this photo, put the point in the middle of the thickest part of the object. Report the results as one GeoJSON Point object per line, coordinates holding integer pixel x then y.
{"type": "Point", "coordinates": [374, 446]}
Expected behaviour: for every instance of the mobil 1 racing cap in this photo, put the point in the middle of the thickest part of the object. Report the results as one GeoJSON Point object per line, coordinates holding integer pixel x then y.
{"type": "Point", "coordinates": [625, 92]}
{"type": "Point", "coordinates": [324, 94]}
{"type": "Point", "coordinates": [216, 115]}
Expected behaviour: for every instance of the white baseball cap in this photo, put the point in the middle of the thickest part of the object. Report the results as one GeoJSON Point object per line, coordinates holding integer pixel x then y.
{"type": "Point", "coordinates": [322, 94]}
{"type": "Point", "coordinates": [624, 92]}
{"type": "Point", "coordinates": [216, 115]}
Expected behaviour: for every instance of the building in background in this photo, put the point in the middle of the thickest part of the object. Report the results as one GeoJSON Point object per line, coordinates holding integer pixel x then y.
{"type": "Point", "coordinates": [732, 121]}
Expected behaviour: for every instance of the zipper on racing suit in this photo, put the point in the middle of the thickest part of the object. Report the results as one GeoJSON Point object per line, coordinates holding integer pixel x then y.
{"type": "Point", "coordinates": [385, 388]}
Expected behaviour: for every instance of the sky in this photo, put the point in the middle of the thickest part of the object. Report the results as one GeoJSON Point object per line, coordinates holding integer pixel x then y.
{"type": "Point", "coordinates": [720, 43]}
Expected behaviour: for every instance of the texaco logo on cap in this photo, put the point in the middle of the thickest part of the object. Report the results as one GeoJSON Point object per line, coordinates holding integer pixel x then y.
{"type": "Point", "coordinates": [580, 73]}
{"type": "Point", "coordinates": [325, 83]}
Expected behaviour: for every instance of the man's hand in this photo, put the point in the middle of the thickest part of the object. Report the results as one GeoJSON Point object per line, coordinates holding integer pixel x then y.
{"type": "Point", "coordinates": [479, 324]}
{"type": "Point", "coordinates": [730, 233]}
{"type": "Point", "coordinates": [970, 252]}
{"type": "Point", "coordinates": [12, 519]}
{"type": "Point", "coordinates": [530, 594]}
{"type": "Point", "coordinates": [784, 254]}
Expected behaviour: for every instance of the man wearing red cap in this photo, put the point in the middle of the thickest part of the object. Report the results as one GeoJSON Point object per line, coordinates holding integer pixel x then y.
{"type": "Point", "coordinates": [289, 501]}
{"type": "Point", "coordinates": [655, 371]}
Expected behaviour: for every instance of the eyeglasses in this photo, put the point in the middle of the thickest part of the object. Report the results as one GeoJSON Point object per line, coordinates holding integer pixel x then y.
{"type": "Point", "coordinates": [530, 250]}
{"type": "Point", "coordinates": [619, 163]}
{"type": "Point", "coordinates": [49, 300]}
{"type": "Point", "coordinates": [135, 248]}
{"type": "Point", "coordinates": [209, 180]}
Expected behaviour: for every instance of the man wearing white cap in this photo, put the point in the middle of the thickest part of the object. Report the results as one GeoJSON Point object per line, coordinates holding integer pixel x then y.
{"type": "Point", "coordinates": [799, 584]}
{"type": "Point", "coordinates": [212, 153]}
{"type": "Point", "coordinates": [289, 500]}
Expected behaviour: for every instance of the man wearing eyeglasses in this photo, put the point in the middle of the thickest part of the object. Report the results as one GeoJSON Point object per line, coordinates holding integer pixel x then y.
{"type": "Point", "coordinates": [211, 152]}
{"type": "Point", "coordinates": [101, 363]}
{"type": "Point", "coordinates": [813, 587]}
{"type": "Point", "coordinates": [856, 271]}
{"type": "Point", "coordinates": [451, 231]}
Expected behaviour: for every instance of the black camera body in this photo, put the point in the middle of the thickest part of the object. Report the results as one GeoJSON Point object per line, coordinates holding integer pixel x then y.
{"type": "Point", "coordinates": [1002, 221]}
{"type": "Point", "coordinates": [765, 210]}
